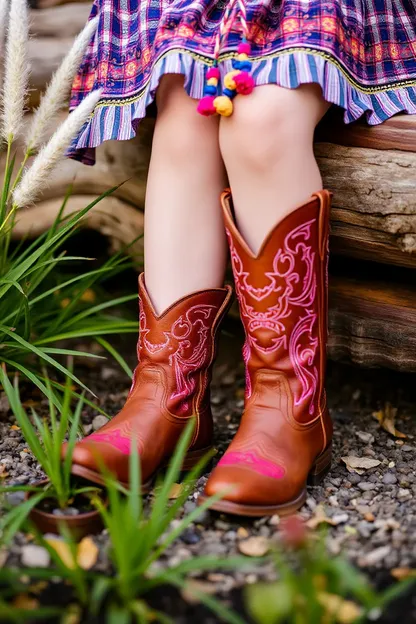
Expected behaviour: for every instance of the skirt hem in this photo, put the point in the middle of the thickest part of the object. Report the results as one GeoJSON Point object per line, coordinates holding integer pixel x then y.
{"type": "Point", "coordinates": [118, 119]}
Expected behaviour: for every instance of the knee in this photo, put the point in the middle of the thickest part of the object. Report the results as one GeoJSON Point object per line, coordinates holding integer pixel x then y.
{"type": "Point", "coordinates": [182, 131]}
{"type": "Point", "coordinates": [266, 127]}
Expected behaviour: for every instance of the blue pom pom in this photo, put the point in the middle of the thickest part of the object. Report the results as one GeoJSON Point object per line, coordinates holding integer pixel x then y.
{"type": "Point", "coordinates": [236, 64]}
{"type": "Point", "coordinates": [210, 90]}
{"type": "Point", "coordinates": [229, 92]}
{"type": "Point", "coordinates": [245, 66]}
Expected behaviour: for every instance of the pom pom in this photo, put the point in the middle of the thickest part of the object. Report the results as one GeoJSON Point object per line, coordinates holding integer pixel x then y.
{"type": "Point", "coordinates": [244, 83]}
{"type": "Point", "coordinates": [213, 82]}
{"type": "Point", "coordinates": [206, 106]}
{"type": "Point", "coordinates": [209, 90]}
{"type": "Point", "coordinates": [245, 66]}
{"type": "Point", "coordinates": [243, 48]}
{"type": "Point", "coordinates": [213, 72]}
{"type": "Point", "coordinates": [242, 57]}
{"type": "Point", "coordinates": [229, 93]}
{"type": "Point", "coordinates": [223, 105]}
{"type": "Point", "coordinates": [229, 79]}
{"type": "Point", "coordinates": [236, 64]}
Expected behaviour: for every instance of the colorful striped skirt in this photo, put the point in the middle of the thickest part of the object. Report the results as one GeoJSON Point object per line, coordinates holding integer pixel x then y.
{"type": "Point", "coordinates": [361, 52]}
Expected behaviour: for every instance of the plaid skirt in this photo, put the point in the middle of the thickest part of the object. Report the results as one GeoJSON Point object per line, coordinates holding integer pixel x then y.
{"type": "Point", "coordinates": [361, 52]}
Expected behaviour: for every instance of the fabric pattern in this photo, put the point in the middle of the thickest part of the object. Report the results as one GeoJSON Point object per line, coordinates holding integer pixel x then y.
{"type": "Point", "coordinates": [361, 52]}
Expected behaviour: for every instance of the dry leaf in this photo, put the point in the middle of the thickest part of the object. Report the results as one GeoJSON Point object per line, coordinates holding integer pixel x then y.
{"type": "Point", "coordinates": [344, 611]}
{"type": "Point", "coordinates": [3, 472]}
{"type": "Point", "coordinates": [15, 428]}
{"type": "Point", "coordinates": [387, 419]}
{"type": "Point", "coordinates": [24, 601]}
{"type": "Point", "coordinates": [87, 553]}
{"type": "Point", "coordinates": [401, 574]}
{"type": "Point", "coordinates": [193, 587]}
{"type": "Point", "coordinates": [63, 550]}
{"type": "Point", "coordinates": [256, 546]}
{"type": "Point", "coordinates": [176, 490]}
{"type": "Point", "coordinates": [359, 464]}
{"type": "Point", "coordinates": [318, 518]}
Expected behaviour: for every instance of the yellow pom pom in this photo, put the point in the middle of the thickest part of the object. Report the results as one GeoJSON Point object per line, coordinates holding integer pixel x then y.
{"type": "Point", "coordinates": [223, 105]}
{"type": "Point", "coordinates": [229, 79]}
{"type": "Point", "coordinates": [212, 82]}
{"type": "Point", "coordinates": [242, 57]}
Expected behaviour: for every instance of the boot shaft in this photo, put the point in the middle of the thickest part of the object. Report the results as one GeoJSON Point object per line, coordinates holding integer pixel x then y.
{"type": "Point", "coordinates": [282, 293]}
{"type": "Point", "coordinates": [179, 345]}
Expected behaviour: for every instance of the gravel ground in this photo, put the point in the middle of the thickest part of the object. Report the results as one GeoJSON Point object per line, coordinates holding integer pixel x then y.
{"type": "Point", "coordinates": [371, 517]}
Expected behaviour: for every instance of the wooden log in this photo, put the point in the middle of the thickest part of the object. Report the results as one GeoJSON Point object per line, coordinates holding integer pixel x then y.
{"type": "Point", "coordinates": [374, 204]}
{"type": "Point", "coordinates": [397, 133]}
{"type": "Point", "coordinates": [59, 22]}
{"type": "Point", "coordinates": [372, 324]}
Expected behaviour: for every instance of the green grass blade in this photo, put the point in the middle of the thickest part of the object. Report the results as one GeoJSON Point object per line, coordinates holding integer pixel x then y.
{"type": "Point", "coordinates": [116, 355]}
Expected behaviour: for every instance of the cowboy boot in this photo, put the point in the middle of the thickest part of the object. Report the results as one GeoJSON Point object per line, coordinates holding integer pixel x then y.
{"type": "Point", "coordinates": [175, 352]}
{"type": "Point", "coordinates": [285, 433]}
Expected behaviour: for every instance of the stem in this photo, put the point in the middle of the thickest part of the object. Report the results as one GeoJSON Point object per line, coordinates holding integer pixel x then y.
{"type": "Point", "coordinates": [4, 194]}
{"type": "Point", "coordinates": [26, 157]}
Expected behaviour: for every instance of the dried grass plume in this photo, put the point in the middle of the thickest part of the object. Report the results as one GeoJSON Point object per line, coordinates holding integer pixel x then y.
{"type": "Point", "coordinates": [16, 69]}
{"type": "Point", "coordinates": [36, 177]}
{"type": "Point", "coordinates": [4, 11]}
{"type": "Point", "coordinates": [57, 92]}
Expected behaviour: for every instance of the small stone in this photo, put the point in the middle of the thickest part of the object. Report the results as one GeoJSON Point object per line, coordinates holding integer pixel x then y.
{"type": "Point", "coordinates": [406, 448]}
{"type": "Point", "coordinates": [35, 556]}
{"type": "Point", "coordinates": [333, 501]}
{"type": "Point", "coordinates": [190, 536]}
{"type": "Point", "coordinates": [68, 511]}
{"type": "Point", "coordinates": [221, 525]}
{"type": "Point", "coordinates": [189, 507]}
{"type": "Point", "coordinates": [402, 493]}
{"type": "Point", "coordinates": [374, 557]}
{"type": "Point", "coordinates": [254, 546]}
{"type": "Point", "coordinates": [389, 478]}
{"type": "Point", "coordinates": [99, 421]}
{"type": "Point", "coordinates": [365, 437]}
{"type": "Point", "coordinates": [275, 520]}
{"type": "Point", "coordinates": [354, 478]}
{"type": "Point", "coordinates": [311, 503]}
{"type": "Point", "coordinates": [340, 518]}
{"type": "Point", "coordinates": [15, 498]}
{"type": "Point", "coordinates": [242, 533]}
{"type": "Point", "coordinates": [365, 486]}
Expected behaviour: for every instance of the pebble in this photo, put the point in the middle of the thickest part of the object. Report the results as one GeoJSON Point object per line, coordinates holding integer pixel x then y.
{"type": "Point", "coordinates": [374, 557]}
{"type": "Point", "coordinates": [365, 437]}
{"type": "Point", "coordinates": [99, 421]}
{"type": "Point", "coordinates": [389, 478]}
{"type": "Point", "coordinates": [365, 486]}
{"type": "Point", "coordinates": [68, 511]}
{"type": "Point", "coordinates": [190, 536]}
{"type": "Point", "coordinates": [33, 556]}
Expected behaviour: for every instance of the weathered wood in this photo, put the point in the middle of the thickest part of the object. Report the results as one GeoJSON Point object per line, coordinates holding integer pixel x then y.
{"type": "Point", "coordinates": [374, 204]}
{"type": "Point", "coordinates": [46, 54]}
{"type": "Point", "coordinates": [59, 22]}
{"type": "Point", "coordinates": [112, 217]}
{"type": "Point", "coordinates": [397, 133]}
{"type": "Point", "coordinates": [372, 324]}
{"type": "Point", "coordinates": [46, 4]}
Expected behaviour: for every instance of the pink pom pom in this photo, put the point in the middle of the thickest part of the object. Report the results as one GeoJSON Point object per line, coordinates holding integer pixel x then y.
{"type": "Point", "coordinates": [213, 72]}
{"type": "Point", "coordinates": [244, 83]}
{"type": "Point", "coordinates": [206, 106]}
{"type": "Point", "coordinates": [243, 48]}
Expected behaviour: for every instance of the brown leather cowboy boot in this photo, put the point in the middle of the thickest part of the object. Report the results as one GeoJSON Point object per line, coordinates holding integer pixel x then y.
{"type": "Point", "coordinates": [285, 432]}
{"type": "Point", "coordinates": [170, 385]}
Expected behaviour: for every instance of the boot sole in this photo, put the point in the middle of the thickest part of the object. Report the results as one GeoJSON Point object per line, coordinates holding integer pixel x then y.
{"type": "Point", "coordinates": [189, 462]}
{"type": "Point", "coordinates": [318, 472]}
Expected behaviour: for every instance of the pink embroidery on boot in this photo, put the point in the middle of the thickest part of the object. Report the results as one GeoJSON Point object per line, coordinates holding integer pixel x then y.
{"type": "Point", "coordinates": [253, 461]}
{"type": "Point", "coordinates": [120, 442]}
{"type": "Point", "coordinates": [294, 293]}
{"type": "Point", "coordinates": [189, 344]}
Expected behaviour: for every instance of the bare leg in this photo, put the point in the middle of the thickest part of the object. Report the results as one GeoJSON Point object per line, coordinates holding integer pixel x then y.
{"type": "Point", "coordinates": [267, 147]}
{"type": "Point", "coordinates": [185, 247]}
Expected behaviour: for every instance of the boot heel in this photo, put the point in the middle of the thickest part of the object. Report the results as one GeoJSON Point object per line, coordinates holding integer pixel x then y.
{"type": "Point", "coordinates": [193, 457]}
{"type": "Point", "coordinates": [321, 467]}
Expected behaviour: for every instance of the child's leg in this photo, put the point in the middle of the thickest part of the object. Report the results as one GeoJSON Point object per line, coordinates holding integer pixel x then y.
{"type": "Point", "coordinates": [184, 233]}
{"type": "Point", "coordinates": [267, 147]}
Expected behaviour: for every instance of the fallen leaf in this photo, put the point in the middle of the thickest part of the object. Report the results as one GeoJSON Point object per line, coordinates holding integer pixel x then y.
{"type": "Point", "coordinates": [176, 490]}
{"type": "Point", "coordinates": [194, 587]}
{"type": "Point", "coordinates": [87, 553]}
{"type": "Point", "coordinates": [3, 472]}
{"type": "Point", "coordinates": [370, 517]}
{"type": "Point", "coordinates": [256, 546]}
{"type": "Point", "coordinates": [318, 518]}
{"type": "Point", "coordinates": [359, 464]}
{"type": "Point", "coordinates": [63, 550]}
{"type": "Point", "coordinates": [400, 574]}
{"type": "Point", "coordinates": [343, 611]}
{"type": "Point", "coordinates": [387, 420]}
{"type": "Point", "coordinates": [26, 602]}
{"type": "Point", "coordinates": [15, 428]}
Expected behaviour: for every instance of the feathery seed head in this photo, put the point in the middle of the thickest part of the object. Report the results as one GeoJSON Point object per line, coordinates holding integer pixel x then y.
{"type": "Point", "coordinates": [59, 87]}
{"type": "Point", "coordinates": [36, 177]}
{"type": "Point", "coordinates": [16, 69]}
